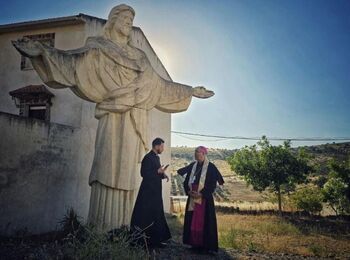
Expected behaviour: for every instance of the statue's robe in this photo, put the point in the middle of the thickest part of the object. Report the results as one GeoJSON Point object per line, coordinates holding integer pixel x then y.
{"type": "Point", "coordinates": [209, 232]}
{"type": "Point", "coordinates": [125, 87]}
{"type": "Point", "coordinates": [148, 213]}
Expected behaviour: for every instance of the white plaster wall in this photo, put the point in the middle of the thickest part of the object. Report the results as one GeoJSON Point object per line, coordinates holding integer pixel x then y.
{"type": "Point", "coordinates": [38, 173]}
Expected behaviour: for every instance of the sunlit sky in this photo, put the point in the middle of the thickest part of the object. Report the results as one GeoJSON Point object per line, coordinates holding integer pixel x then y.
{"type": "Point", "coordinates": [278, 68]}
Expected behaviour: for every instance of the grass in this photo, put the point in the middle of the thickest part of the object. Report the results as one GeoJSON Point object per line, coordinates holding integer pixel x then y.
{"type": "Point", "coordinates": [97, 245]}
{"type": "Point", "coordinates": [273, 234]}
{"type": "Point", "coordinates": [74, 242]}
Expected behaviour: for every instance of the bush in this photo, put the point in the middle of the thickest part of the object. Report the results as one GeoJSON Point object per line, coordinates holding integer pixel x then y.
{"type": "Point", "coordinates": [308, 199]}
{"type": "Point", "coordinates": [70, 222]}
{"type": "Point", "coordinates": [334, 192]}
{"type": "Point", "coordinates": [86, 242]}
{"type": "Point", "coordinates": [97, 245]}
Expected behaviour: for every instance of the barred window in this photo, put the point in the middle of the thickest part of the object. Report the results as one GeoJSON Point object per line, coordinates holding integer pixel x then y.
{"type": "Point", "coordinates": [33, 101]}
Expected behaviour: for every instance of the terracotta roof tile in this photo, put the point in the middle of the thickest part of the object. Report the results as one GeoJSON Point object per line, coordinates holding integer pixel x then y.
{"type": "Point", "coordinates": [31, 90]}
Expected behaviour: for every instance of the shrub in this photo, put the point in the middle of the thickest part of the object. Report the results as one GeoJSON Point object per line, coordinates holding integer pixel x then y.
{"type": "Point", "coordinates": [334, 192]}
{"type": "Point", "coordinates": [86, 242]}
{"type": "Point", "coordinates": [308, 199]}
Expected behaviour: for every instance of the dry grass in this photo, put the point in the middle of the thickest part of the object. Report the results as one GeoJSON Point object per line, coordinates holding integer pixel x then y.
{"type": "Point", "coordinates": [272, 234]}
{"type": "Point", "coordinates": [275, 235]}
{"type": "Point", "coordinates": [179, 205]}
{"type": "Point", "coordinates": [250, 205]}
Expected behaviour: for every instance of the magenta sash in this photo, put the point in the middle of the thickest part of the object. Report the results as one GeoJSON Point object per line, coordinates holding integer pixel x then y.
{"type": "Point", "coordinates": [197, 224]}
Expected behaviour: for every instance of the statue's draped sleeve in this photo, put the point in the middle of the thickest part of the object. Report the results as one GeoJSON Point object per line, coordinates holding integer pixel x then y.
{"type": "Point", "coordinates": [174, 97]}
{"type": "Point", "coordinates": [91, 72]}
{"type": "Point", "coordinates": [57, 68]}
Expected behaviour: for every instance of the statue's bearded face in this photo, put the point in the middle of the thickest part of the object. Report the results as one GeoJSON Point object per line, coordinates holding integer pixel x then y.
{"type": "Point", "coordinates": [123, 23]}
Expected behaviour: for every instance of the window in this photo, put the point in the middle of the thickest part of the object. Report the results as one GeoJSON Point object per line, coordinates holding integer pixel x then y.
{"type": "Point", "coordinates": [33, 101]}
{"type": "Point", "coordinates": [47, 38]}
{"type": "Point", "coordinates": [38, 112]}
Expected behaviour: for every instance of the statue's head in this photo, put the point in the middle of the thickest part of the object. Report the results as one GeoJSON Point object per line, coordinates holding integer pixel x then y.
{"type": "Point", "coordinates": [120, 21]}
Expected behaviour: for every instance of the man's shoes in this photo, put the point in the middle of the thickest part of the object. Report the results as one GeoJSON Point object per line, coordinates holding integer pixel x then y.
{"type": "Point", "coordinates": [162, 245]}
{"type": "Point", "coordinates": [159, 245]}
{"type": "Point", "coordinates": [194, 248]}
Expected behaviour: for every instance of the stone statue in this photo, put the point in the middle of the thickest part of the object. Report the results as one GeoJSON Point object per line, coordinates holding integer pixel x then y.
{"type": "Point", "coordinates": [119, 78]}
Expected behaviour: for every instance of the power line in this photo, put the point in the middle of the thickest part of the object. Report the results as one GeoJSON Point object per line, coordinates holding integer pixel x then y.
{"type": "Point", "coordinates": [202, 140]}
{"type": "Point", "coordinates": [304, 139]}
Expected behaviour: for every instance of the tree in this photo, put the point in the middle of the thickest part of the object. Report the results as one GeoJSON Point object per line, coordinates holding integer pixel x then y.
{"type": "Point", "coordinates": [308, 199]}
{"type": "Point", "coordinates": [334, 194]}
{"type": "Point", "coordinates": [341, 170]}
{"type": "Point", "coordinates": [276, 168]}
{"type": "Point", "coordinates": [336, 190]}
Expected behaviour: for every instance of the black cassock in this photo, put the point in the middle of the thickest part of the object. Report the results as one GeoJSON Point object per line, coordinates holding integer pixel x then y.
{"type": "Point", "coordinates": [210, 239]}
{"type": "Point", "coordinates": [148, 210]}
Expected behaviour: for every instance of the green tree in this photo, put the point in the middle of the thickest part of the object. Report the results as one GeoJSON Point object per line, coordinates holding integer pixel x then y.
{"type": "Point", "coordinates": [341, 170]}
{"type": "Point", "coordinates": [334, 194]}
{"type": "Point", "coordinates": [336, 189]}
{"type": "Point", "coordinates": [309, 199]}
{"type": "Point", "coordinates": [276, 168]}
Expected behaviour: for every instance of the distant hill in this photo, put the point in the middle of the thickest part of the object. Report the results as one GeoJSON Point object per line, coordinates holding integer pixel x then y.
{"type": "Point", "coordinates": [188, 153]}
{"type": "Point", "coordinates": [235, 188]}
{"type": "Point", "coordinates": [322, 154]}
{"type": "Point", "coordinates": [338, 150]}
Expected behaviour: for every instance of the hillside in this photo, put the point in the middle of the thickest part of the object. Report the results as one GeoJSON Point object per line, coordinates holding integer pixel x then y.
{"type": "Point", "coordinates": [322, 154]}
{"type": "Point", "coordinates": [235, 188]}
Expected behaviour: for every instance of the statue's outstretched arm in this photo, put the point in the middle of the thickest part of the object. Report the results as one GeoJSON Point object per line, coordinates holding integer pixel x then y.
{"type": "Point", "coordinates": [176, 97]}
{"type": "Point", "coordinates": [55, 67]}
{"type": "Point", "coordinates": [198, 91]}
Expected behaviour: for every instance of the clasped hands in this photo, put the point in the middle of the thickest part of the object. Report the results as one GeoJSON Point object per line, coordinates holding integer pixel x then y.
{"type": "Point", "coordinates": [195, 194]}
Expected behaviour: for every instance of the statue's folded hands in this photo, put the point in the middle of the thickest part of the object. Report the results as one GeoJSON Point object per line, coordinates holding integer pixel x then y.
{"type": "Point", "coordinates": [120, 92]}
{"type": "Point", "coordinates": [113, 107]}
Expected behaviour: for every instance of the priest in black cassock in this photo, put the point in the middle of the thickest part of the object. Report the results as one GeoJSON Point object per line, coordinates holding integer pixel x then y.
{"type": "Point", "coordinates": [148, 213]}
{"type": "Point", "coordinates": [200, 228]}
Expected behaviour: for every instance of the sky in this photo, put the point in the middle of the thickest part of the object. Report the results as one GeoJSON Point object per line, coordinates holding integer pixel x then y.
{"type": "Point", "coordinates": [278, 68]}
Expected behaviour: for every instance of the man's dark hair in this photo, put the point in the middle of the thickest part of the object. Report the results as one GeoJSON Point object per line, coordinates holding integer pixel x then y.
{"type": "Point", "coordinates": [157, 141]}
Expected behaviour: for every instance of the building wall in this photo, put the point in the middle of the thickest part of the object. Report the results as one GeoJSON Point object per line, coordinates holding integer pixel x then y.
{"type": "Point", "coordinates": [12, 77]}
{"type": "Point", "coordinates": [38, 177]}
{"type": "Point", "coordinates": [44, 167]}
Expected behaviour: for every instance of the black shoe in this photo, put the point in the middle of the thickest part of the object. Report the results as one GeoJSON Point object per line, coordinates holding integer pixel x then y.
{"type": "Point", "coordinates": [160, 245]}
{"type": "Point", "coordinates": [194, 248]}
{"type": "Point", "coordinates": [211, 252]}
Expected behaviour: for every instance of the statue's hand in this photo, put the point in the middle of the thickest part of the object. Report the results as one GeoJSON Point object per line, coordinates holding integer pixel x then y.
{"type": "Point", "coordinates": [28, 47]}
{"type": "Point", "coordinates": [202, 92]}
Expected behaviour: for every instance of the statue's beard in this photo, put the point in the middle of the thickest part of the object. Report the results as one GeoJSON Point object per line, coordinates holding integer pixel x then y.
{"type": "Point", "coordinates": [125, 31]}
